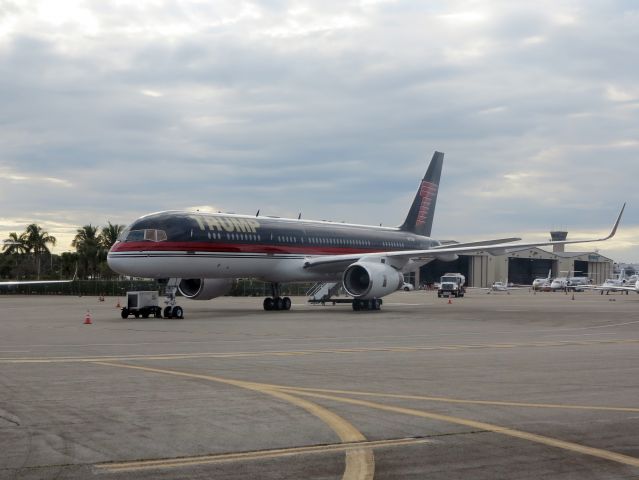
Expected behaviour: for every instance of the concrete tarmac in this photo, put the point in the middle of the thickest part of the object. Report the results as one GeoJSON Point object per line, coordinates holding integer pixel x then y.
{"type": "Point", "coordinates": [495, 386]}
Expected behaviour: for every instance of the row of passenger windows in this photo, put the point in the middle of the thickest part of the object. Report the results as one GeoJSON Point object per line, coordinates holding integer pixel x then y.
{"type": "Point", "coordinates": [347, 242]}
{"type": "Point", "coordinates": [325, 241]}
{"type": "Point", "coordinates": [244, 237]}
{"type": "Point", "coordinates": [154, 235]}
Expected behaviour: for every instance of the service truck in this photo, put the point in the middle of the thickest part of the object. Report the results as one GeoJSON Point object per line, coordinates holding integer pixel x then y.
{"type": "Point", "coordinates": [142, 304]}
{"type": "Point", "coordinates": [452, 284]}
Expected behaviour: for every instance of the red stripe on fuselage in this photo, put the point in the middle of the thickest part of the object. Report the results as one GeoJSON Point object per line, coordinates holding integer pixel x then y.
{"type": "Point", "coordinates": [212, 247]}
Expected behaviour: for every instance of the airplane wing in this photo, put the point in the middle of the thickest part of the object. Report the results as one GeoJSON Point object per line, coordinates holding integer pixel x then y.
{"type": "Point", "coordinates": [403, 256]}
{"type": "Point", "coordinates": [495, 241]}
{"type": "Point", "coordinates": [9, 283]}
{"type": "Point", "coordinates": [32, 282]}
{"type": "Point", "coordinates": [610, 287]}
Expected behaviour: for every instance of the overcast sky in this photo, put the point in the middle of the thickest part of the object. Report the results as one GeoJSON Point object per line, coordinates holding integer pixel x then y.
{"type": "Point", "coordinates": [113, 109]}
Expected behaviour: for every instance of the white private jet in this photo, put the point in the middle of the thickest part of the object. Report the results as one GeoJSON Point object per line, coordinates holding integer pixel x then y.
{"type": "Point", "coordinates": [619, 284]}
{"type": "Point", "coordinates": [499, 287]}
{"type": "Point", "coordinates": [542, 282]}
{"type": "Point", "coordinates": [628, 288]}
{"type": "Point", "coordinates": [200, 254]}
{"type": "Point", "coordinates": [570, 282]}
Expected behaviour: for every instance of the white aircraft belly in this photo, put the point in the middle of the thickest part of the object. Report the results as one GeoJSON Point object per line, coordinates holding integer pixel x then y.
{"type": "Point", "coordinates": [275, 268]}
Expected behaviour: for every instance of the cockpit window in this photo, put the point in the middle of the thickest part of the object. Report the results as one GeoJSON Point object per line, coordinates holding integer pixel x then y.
{"type": "Point", "coordinates": [154, 235]}
{"type": "Point", "coordinates": [148, 234]}
{"type": "Point", "coordinates": [124, 234]}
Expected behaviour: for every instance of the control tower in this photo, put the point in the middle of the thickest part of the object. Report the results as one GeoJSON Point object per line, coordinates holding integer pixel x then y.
{"type": "Point", "coordinates": [558, 236]}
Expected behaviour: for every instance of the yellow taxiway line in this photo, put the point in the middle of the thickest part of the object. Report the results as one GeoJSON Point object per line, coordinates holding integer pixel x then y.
{"type": "Point", "coordinates": [360, 462]}
{"type": "Point", "coordinates": [496, 403]}
{"type": "Point", "coordinates": [277, 391]}
{"type": "Point", "coordinates": [532, 437]}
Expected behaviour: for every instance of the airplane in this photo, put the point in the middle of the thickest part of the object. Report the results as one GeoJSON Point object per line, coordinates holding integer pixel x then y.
{"type": "Point", "coordinates": [542, 282]}
{"type": "Point", "coordinates": [569, 283]}
{"type": "Point", "coordinates": [619, 284]}
{"type": "Point", "coordinates": [199, 254]}
{"type": "Point", "coordinates": [499, 287]}
{"type": "Point", "coordinates": [627, 288]}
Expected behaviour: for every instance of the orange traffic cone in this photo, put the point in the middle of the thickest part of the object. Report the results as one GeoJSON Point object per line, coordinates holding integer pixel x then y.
{"type": "Point", "coordinates": [450, 301]}
{"type": "Point", "coordinates": [87, 318]}
{"type": "Point", "coordinates": [118, 305]}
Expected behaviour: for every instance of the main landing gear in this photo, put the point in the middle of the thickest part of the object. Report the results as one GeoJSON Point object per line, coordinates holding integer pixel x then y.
{"type": "Point", "coordinates": [173, 312]}
{"type": "Point", "coordinates": [373, 304]}
{"type": "Point", "coordinates": [276, 302]}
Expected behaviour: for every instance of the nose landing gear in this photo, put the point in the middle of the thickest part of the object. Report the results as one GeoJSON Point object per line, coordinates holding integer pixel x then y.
{"type": "Point", "coordinates": [172, 310]}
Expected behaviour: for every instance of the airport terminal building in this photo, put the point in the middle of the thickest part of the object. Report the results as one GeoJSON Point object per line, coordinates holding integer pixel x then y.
{"type": "Point", "coordinates": [518, 266]}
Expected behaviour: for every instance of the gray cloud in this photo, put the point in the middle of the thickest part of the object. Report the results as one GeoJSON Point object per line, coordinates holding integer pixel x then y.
{"type": "Point", "coordinates": [332, 110]}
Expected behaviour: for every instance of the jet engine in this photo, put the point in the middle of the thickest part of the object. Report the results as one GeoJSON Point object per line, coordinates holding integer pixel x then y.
{"type": "Point", "coordinates": [367, 280]}
{"type": "Point", "coordinates": [204, 288]}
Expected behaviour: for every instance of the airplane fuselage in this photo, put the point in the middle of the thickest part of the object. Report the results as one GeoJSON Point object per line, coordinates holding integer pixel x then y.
{"type": "Point", "coordinates": [198, 245]}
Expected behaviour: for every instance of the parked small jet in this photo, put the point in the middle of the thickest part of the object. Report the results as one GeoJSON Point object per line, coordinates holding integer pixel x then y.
{"type": "Point", "coordinates": [542, 282]}
{"type": "Point", "coordinates": [200, 254]}
{"type": "Point", "coordinates": [569, 282]}
{"type": "Point", "coordinates": [500, 287]}
{"type": "Point", "coordinates": [619, 284]}
{"type": "Point", "coordinates": [630, 287]}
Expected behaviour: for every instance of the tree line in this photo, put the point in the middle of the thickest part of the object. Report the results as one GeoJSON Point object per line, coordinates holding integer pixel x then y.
{"type": "Point", "coordinates": [27, 255]}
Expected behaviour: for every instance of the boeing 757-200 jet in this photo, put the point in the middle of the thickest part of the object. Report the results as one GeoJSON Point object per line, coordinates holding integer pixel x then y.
{"type": "Point", "coordinates": [200, 253]}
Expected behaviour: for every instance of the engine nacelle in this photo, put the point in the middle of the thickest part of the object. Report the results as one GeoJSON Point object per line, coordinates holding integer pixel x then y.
{"type": "Point", "coordinates": [366, 280]}
{"type": "Point", "coordinates": [204, 288]}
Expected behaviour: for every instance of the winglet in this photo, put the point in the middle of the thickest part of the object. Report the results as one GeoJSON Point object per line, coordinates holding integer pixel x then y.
{"type": "Point", "coordinates": [614, 228]}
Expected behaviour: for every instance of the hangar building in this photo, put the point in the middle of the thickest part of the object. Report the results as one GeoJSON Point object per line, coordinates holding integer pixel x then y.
{"type": "Point", "coordinates": [518, 266]}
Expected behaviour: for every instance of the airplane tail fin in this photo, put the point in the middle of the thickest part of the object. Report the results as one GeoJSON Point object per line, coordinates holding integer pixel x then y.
{"type": "Point", "coordinates": [420, 216]}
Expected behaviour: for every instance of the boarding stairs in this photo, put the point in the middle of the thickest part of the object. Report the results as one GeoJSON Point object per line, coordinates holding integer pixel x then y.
{"type": "Point", "coordinates": [323, 292]}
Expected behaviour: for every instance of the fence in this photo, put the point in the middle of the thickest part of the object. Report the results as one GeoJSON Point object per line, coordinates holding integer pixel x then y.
{"type": "Point", "coordinates": [240, 288]}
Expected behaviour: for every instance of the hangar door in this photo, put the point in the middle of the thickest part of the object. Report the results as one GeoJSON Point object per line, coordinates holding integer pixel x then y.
{"type": "Point", "coordinates": [581, 268]}
{"type": "Point", "coordinates": [433, 271]}
{"type": "Point", "coordinates": [523, 271]}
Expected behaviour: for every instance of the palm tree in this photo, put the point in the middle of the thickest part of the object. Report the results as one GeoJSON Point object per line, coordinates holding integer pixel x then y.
{"type": "Point", "coordinates": [37, 241]}
{"type": "Point", "coordinates": [87, 244]}
{"type": "Point", "coordinates": [109, 235]}
{"type": "Point", "coordinates": [15, 244]}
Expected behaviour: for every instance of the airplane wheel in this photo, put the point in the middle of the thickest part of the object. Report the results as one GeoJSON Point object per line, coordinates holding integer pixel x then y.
{"type": "Point", "coordinates": [286, 303]}
{"type": "Point", "coordinates": [178, 312]}
{"type": "Point", "coordinates": [279, 303]}
{"type": "Point", "coordinates": [137, 314]}
{"type": "Point", "coordinates": [356, 305]}
{"type": "Point", "coordinates": [124, 313]}
{"type": "Point", "coordinates": [145, 315]}
{"type": "Point", "coordinates": [376, 304]}
{"type": "Point", "coordinates": [268, 303]}
{"type": "Point", "coordinates": [167, 312]}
